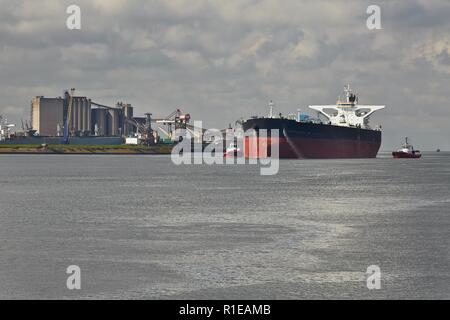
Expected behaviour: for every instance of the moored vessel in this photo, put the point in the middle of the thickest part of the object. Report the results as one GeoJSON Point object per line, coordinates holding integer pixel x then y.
{"type": "Point", "coordinates": [345, 134]}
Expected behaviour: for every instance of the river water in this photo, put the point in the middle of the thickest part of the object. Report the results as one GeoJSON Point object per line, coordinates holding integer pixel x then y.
{"type": "Point", "coordinates": [140, 227]}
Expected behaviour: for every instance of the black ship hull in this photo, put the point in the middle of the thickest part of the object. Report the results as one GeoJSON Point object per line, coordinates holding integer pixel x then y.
{"type": "Point", "coordinates": [307, 140]}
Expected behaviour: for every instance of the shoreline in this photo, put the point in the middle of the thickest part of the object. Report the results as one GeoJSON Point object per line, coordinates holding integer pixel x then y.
{"type": "Point", "coordinates": [82, 150]}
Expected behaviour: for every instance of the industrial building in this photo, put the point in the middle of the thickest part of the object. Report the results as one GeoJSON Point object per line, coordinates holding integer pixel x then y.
{"type": "Point", "coordinates": [5, 129]}
{"type": "Point", "coordinates": [47, 118]}
{"type": "Point", "coordinates": [47, 115]}
{"type": "Point", "coordinates": [81, 116]}
{"type": "Point", "coordinates": [88, 119]}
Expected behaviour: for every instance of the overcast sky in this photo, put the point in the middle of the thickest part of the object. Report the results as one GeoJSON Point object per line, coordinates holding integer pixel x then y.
{"type": "Point", "coordinates": [222, 60]}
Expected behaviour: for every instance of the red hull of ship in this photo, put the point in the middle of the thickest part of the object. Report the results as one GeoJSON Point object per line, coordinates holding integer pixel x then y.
{"type": "Point", "coordinates": [405, 155]}
{"type": "Point", "coordinates": [303, 148]}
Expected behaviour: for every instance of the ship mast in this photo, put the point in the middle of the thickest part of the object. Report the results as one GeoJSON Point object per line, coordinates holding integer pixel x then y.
{"type": "Point", "coordinates": [271, 106]}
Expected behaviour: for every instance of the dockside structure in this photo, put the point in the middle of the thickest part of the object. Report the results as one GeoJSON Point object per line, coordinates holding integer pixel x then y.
{"type": "Point", "coordinates": [87, 118]}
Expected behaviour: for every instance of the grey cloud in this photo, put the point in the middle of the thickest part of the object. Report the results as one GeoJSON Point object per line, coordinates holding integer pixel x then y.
{"type": "Point", "coordinates": [222, 60]}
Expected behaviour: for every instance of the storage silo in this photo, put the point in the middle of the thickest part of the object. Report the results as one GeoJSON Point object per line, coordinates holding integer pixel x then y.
{"type": "Point", "coordinates": [80, 115]}
{"type": "Point", "coordinates": [113, 116]}
{"type": "Point", "coordinates": [46, 115]}
{"type": "Point", "coordinates": [87, 117]}
{"type": "Point", "coordinates": [127, 115]}
{"type": "Point", "coordinates": [74, 119]}
{"type": "Point", "coordinates": [99, 118]}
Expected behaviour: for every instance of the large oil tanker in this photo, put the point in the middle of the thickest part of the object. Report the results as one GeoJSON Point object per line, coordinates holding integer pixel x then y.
{"type": "Point", "coordinates": [345, 134]}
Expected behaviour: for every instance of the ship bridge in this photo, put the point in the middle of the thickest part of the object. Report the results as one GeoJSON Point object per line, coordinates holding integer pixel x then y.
{"type": "Point", "coordinates": [348, 112]}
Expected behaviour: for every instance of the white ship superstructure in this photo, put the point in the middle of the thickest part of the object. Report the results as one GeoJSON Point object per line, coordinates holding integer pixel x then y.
{"type": "Point", "coordinates": [348, 113]}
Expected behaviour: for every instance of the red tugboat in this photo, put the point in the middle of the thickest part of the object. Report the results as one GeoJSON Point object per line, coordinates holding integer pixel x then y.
{"type": "Point", "coordinates": [407, 152]}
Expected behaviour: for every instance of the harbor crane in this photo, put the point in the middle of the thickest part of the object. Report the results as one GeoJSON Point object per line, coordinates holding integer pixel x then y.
{"type": "Point", "coordinates": [68, 101]}
{"type": "Point", "coordinates": [175, 120]}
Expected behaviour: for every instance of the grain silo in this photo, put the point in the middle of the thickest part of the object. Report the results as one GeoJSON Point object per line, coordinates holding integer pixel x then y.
{"type": "Point", "coordinates": [99, 121]}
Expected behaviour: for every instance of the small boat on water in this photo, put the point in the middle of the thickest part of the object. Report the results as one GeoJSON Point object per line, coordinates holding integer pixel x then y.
{"type": "Point", "coordinates": [407, 152]}
{"type": "Point", "coordinates": [232, 151]}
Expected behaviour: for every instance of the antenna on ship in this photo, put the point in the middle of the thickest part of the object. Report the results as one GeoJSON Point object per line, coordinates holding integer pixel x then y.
{"type": "Point", "coordinates": [406, 142]}
{"type": "Point", "coordinates": [271, 105]}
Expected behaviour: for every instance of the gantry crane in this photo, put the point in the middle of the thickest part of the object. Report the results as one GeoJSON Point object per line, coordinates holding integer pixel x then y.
{"type": "Point", "coordinates": [176, 119]}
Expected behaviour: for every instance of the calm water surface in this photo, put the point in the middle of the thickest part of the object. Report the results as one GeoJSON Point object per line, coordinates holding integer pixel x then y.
{"type": "Point", "coordinates": [142, 228]}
